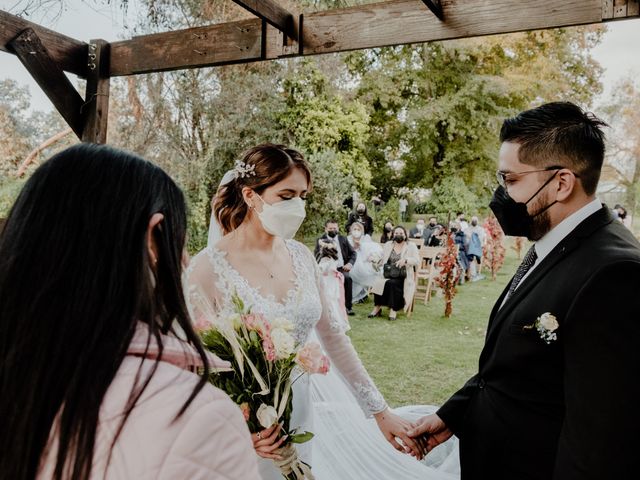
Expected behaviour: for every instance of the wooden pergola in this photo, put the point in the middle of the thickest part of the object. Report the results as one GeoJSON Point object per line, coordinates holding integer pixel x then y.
{"type": "Point", "coordinates": [274, 33]}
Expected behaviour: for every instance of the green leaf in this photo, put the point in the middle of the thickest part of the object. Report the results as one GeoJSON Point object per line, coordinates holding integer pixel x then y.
{"type": "Point", "coordinates": [301, 437]}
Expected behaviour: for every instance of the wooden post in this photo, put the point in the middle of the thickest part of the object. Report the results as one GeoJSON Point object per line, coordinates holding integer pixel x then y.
{"type": "Point", "coordinates": [29, 49]}
{"type": "Point", "coordinates": [95, 111]}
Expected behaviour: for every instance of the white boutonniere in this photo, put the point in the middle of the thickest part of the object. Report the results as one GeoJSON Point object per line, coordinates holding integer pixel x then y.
{"type": "Point", "coordinates": [546, 324]}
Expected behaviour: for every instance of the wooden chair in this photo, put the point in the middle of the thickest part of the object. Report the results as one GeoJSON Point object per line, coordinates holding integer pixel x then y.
{"type": "Point", "coordinates": [418, 242]}
{"type": "Point", "coordinates": [426, 273]}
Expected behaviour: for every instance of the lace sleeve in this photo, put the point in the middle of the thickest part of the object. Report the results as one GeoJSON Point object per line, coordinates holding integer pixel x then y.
{"type": "Point", "coordinates": [343, 356]}
{"type": "Point", "coordinates": [202, 294]}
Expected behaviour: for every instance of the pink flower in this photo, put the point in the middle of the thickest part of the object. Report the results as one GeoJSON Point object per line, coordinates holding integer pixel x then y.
{"type": "Point", "coordinates": [246, 411]}
{"type": "Point", "coordinates": [311, 359]}
{"type": "Point", "coordinates": [268, 347]}
{"type": "Point", "coordinates": [202, 324]}
{"type": "Point", "coordinates": [324, 368]}
{"type": "Point", "coordinates": [254, 321]}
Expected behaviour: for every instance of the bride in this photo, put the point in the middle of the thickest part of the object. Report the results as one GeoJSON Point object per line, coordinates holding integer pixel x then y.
{"type": "Point", "coordinates": [258, 208]}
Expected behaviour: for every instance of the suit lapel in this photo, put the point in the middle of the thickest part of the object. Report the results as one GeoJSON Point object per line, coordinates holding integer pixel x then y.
{"type": "Point", "coordinates": [564, 248]}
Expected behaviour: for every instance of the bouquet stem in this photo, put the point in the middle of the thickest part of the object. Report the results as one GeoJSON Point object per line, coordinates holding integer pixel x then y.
{"type": "Point", "coordinates": [291, 466]}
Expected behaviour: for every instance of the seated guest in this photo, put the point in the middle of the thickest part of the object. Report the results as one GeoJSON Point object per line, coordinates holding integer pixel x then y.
{"type": "Point", "coordinates": [437, 237]}
{"type": "Point", "coordinates": [419, 230]}
{"type": "Point", "coordinates": [360, 215]}
{"type": "Point", "coordinates": [396, 289]}
{"type": "Point", "coordinates": [96, 353]}
{"type": "Point", "coordinates": [430, 228]}
{"type": "Point", "coordinates": [387, 233]}
{"type": "Point", "coordinates": [368, 262]}
{"type": "Point", "coordinates": [346, 258]}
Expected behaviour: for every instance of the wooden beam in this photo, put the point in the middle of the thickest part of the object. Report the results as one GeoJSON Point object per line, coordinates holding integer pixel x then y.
{"type": "Point", "coordinates": [273, 13]}
{"type": "Point", "coordinates": [66, 52]}
{"type": "Point", "coordinates": [29, 49]}
{"type": "Point", "coordinates": [96, 107]}
{"type": "Point", "coordinates": [435, 7]}
{"type": "Point", "coordinates": [620, 9]}
{"type": "Point", "coordinates": [406, 21]}
{"type": "Point", "coordinates": [222, 44]}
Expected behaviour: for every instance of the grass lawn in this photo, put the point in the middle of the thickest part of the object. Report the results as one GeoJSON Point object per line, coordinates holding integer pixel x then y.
{"type": "Point", "coordinates": [426, 358]}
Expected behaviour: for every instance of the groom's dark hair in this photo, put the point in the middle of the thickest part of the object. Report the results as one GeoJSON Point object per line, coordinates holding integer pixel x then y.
{"type": "Point", "coordinates": [559, 133]}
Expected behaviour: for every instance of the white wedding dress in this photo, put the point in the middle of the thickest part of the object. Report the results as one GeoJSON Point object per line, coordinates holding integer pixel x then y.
{"type": "Point", "coordinates": [337, 407]}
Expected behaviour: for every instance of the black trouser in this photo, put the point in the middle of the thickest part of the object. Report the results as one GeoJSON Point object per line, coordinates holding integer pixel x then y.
{"type": "Point", "coordinates": [348, 293]}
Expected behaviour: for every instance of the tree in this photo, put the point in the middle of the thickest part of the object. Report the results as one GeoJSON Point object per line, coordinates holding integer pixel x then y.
{"type": "Point", "coordinates": [623, 112]}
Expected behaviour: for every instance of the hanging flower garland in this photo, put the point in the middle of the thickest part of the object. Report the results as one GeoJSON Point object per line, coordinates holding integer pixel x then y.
{"type": "Point", "coordinates": [493, 255]}
{"type": "Point", "coordinates": [449, 273]}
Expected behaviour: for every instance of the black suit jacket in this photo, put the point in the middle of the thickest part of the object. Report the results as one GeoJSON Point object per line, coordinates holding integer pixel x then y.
{"type": "Point", "coordinates": [570, 409]}
{"type": "Point", "coordinates": [348, 253]}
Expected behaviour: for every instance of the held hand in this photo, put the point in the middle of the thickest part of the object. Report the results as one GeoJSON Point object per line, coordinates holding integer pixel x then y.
{"type": "Point", "coordinates": [266, 442]}
{"type": "Point", "coordinates": [401, 263]}
{"type": "Point", "coordinates": [394, 427]}
{"type": "Point", "coordinates": [432, 430]}
{"type": "Point", "coordinates": [347, 267]}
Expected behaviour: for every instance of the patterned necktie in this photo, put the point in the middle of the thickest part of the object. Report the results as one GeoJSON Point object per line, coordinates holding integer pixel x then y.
{"type": "Point", "coordinates": [528, 262]}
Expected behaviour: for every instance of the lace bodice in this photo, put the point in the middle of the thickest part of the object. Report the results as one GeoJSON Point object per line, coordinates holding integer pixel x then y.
{"type": "Point", "coordinates": [305, 305]}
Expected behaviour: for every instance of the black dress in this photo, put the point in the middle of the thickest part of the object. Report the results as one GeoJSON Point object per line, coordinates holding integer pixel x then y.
{"type": "Point", "coordinates": [393, 293]}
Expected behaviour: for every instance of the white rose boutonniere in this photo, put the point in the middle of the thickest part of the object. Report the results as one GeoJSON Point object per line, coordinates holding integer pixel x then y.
{"type": "Point", "coordinates": [546, 324]}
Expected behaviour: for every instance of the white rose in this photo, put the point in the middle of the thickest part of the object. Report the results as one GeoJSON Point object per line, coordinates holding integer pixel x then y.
{"type": "Point", "coordinates": [267, 415]}
{"type": "Point", "coordinates": [282, 342]}
{"type": "Point", "coordinates": [283, 323]}
{"type": "Point", "coordinates": [549, 322]}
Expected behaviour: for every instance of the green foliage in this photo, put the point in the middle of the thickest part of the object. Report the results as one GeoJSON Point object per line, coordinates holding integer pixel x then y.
{"type": "Point", "coordinates": [390, 212]}
{"type": "Point", "coordinates": [451, 195]}
{"type": "Point", "coordinates": [9, 190]}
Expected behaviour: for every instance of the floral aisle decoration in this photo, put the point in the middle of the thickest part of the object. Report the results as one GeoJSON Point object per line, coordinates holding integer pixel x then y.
{"type": "Point", "coordinates": [449, 273]}
{"type": "Point", "coordinates": [266, 362]}
{"type": "Point", "coordinates": [494, 251]}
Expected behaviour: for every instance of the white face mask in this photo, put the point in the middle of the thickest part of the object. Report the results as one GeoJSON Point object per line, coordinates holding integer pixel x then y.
{"type": "Point", "coordinates": [356, 234]}
{"type": "Point", "coordinates": [284, 218]}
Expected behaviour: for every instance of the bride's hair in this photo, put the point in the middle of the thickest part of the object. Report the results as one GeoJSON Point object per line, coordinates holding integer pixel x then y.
{"type": "Point", "coordinates": [260, 167]}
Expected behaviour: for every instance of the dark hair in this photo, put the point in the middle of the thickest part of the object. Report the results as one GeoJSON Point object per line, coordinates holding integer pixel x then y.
{"type": "Point", "coordinates": [403, 229]}
{"type": "Point", "coordinates": [270, 164]}
{"type": "Point", "coordinates": [562, 134]}
{"type": "Point", "coordinates": [331, 220]}
{"type": "Point", "coordinates": [75, 280]}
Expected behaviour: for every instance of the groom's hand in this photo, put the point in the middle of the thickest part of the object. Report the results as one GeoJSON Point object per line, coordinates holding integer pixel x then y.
{"type": "Point", "coordinates": [432, 430]}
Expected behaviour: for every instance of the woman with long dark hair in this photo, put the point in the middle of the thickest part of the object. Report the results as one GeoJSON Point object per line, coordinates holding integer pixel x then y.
{"type": "Point", "coordinates": [95, 337]}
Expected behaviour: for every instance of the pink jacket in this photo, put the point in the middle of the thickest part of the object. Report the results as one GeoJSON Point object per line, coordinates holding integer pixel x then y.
{"type": "Point", "coordinates": [209, 441]}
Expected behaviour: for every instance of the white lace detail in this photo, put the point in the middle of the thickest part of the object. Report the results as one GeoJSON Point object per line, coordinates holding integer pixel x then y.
{"type": "Point", "coordinates": [305, 305]}
{"type": "Point", "coordinates": [369, 397]}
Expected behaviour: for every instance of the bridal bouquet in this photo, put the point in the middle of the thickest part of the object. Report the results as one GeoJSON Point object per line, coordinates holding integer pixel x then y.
{"type": "Point", "coordinates": [265, 363]}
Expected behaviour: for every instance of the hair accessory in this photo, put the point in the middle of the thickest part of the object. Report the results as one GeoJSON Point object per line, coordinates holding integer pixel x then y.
{"type": "Point", "coordinates": [243, 169]}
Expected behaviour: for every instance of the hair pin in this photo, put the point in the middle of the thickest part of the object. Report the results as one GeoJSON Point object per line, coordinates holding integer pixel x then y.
{"type": "Point", "coordinates": [243, 169]}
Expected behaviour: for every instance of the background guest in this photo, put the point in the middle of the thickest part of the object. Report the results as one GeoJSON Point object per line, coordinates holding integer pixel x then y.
{"type": "Point", "coordinates": [476, 238]}
{"type": "Point", "coordinates": [419, 230]}
{"type": "Point", "coordinates": [98, 235]}
{"type": "Point", "coordinates": [368, 262]}
{"type": "Point", "coordinates": [396, 292]}
{"type": "Point", "coordinates": [346, 258]}
{"type": "Point", "coordinates": [360, 215]}
{"type": "Point", "coordinates": [387, 232]}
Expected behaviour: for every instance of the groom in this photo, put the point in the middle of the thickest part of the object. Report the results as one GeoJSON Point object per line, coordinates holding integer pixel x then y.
{"type": "Point", "coordinates": [557, 393]}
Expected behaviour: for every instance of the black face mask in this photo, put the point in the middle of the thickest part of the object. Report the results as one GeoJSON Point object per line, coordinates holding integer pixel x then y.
{"type": "Point", "coordinates": [332, 234]}
{"type": "Point", "coordinates": [513, 216]}
{"type": "Point", "coordinates": [360, 211]}
{"type": "Point", "coordinates": [474, 223]}
{"type": "Point", "coordinates": [454, 230]}
{"type": "Point", "coordinates": [398, 238]}
{"type": "Point", "coordinates": [387, 229]}
{"type": "Point", "coordinates": [432, 224]}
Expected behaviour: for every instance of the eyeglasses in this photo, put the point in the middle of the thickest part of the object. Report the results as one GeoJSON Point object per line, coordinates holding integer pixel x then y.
{"type": "Point", "coordinates": [504, 177]}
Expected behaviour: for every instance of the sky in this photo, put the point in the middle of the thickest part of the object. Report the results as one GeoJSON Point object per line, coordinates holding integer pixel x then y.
{"type": "Point", "coordinates": [617, 53]}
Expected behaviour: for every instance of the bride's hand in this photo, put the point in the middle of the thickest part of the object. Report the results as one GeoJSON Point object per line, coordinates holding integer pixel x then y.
{"type": "Point", "coordinates": [266, 442]}
{"type": "Point", "coordinates": [393, 426]}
